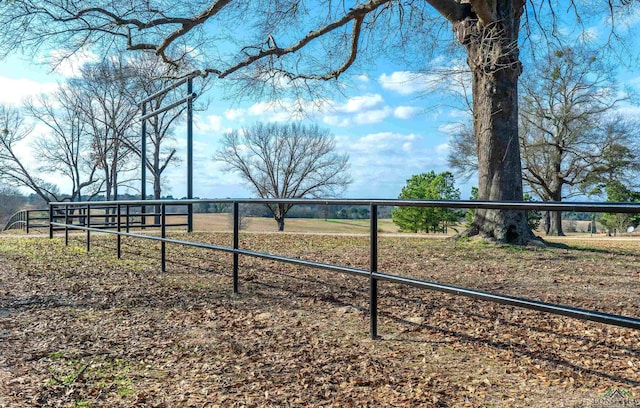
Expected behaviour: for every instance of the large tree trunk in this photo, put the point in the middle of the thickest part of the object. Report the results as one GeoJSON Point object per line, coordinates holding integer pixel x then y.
{"type": "Point", "coordinates": [556, 224]}
{"type": "Point", "coordinates": [493, 58]}
{"type": "Point", "coordinates": [556, 216]}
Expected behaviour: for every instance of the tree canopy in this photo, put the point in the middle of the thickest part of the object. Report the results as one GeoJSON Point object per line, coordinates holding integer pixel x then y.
{"type": "Point", "coordinates": [428, 186]}
{"type": "Point", "coordinates": [571, 138]}
{"type": "Point", "coordinates": [618, 223]}
{"type": "Point", "coordinates": [286, 161]}
{"type": "Point", "coordinates": [264, 46]}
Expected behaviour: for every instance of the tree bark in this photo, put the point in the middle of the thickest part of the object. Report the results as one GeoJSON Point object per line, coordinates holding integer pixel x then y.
{"type": "Point", "coordinates": [279, 212]}
{"type": "Point", "coordinates": [547, 222]}
{"type": "Point", "coordinates": [493, 58]}
{"type": "Point", "coordinates": [555, 227]}
{"type": "Point", "coordinates": [556, 224]}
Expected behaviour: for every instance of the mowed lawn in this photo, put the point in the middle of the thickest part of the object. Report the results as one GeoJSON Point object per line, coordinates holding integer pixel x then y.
{"type": "Point", "coordinates": [88, 329]}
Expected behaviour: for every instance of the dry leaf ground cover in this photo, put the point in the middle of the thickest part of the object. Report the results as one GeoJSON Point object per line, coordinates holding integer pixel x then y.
{"type": "Point", "coordinates": [84, 329]}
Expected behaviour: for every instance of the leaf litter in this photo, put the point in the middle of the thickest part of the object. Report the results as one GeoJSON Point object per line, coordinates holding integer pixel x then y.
{"type": "Point", "coordinates": [86, 329]}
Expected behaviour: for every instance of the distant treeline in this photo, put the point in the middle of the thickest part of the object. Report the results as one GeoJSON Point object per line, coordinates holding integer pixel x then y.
{"type": "Point", "coordinates": [298, 211]}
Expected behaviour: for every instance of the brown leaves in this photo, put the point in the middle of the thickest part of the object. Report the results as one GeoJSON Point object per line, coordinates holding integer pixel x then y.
{"type": "Point", "coordinates": [89, 329]}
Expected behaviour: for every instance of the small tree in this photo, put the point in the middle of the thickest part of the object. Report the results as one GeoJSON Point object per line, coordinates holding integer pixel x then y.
{"type": "Point", "coordinates": [10, 201]}
{"type": "Point", "coordinates": [285, 161]}
{"type": "Point", "coordinates": [618, 192]}
{"type": "Point", "coordinates": [429, 186]}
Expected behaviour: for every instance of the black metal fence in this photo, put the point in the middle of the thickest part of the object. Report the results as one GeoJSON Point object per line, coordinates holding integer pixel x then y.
{"type": "Point", "coordinates": [27, 220]}
{"type": "Point", "coordinates": [62, 213]}
{"type": "Point", "coordinates": [102, 216]}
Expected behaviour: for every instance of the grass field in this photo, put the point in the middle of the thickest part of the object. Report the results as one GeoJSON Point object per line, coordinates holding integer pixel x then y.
{"type": "Point", "coordinates": [80, 329]}
{"type": "Point", "coordinates": [222, 222]}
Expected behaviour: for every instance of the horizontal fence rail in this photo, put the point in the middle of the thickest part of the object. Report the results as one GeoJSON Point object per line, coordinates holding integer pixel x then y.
{"type": "Point", "coordinates": [28, 219]}
{"type": "Point", "coordinates": [101, 215]}
{"type": "Point", "coordinates": [62, 214]}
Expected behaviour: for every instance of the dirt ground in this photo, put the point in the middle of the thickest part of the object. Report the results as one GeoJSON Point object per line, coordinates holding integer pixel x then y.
{"type": "Point", "coordinates": [84, 329]}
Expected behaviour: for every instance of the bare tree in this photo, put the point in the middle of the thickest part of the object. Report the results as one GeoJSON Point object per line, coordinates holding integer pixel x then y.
{"type": "Point", "coordinates": [284, 44]}
{"type": "Point", "coordinates": [151, 76]}
{"type": "Point", "coordinates": [571, 140]}
{"type": "Point", "coordinates": [109, 109]}
{"type": "Point", "coordinates": [285, 161]}
{"type": "Point", "coordinates": [66, 149]}
{"type": "Point", "coordinates": [13, 167]}
{"type": "Point", "coordinates": [10, 201]}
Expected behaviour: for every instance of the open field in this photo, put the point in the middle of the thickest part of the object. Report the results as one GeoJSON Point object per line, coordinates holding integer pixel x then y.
{"type": "Point", "coordinates": [80, 329]}
{"type": "Point", "coordinates": [222, 222]}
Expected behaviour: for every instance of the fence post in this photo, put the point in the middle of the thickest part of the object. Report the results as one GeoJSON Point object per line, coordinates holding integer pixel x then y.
{"type": "Point", "coordinates": [236, 242]}
{"type": "Point", "coordinates": [163, 235]}
{"type": "Point", "coordinates": [50, 221]}
{"type": "Point", "coordinates": [119, 237]}
{"type": "Point", "coordinates": [66, 225]}
{"type": "Point", "coordinates": [28, 219]}
{"type": "Point", "coordinates": [127, 219]}
{"type": "Point", "coordinates": [88, 226]}
{"type": "Point", "coordinates": [190, 155]}
{"type": "Point", "coordinates": [373, 267]}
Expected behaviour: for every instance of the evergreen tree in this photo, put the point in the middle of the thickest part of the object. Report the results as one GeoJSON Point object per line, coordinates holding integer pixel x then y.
{"type": "Point", "coordinates": [427, 186]}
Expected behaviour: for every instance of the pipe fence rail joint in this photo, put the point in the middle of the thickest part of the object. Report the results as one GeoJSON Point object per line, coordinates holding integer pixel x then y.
{"type": "Point", "coordinates": [188, 79]}
{"type": "Point", "coordinates": [62, 210]}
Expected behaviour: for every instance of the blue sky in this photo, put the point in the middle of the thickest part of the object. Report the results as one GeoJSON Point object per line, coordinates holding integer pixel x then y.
{"type": "Point", "coordinates": [384, 122]}
{"type": "Point", "coordinates": [393, 123]}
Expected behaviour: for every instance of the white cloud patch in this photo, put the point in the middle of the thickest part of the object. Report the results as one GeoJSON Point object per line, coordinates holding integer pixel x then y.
{"type": "Point", "coordinates": [14, 91]}
{"type": "Point", "coordinates": [211, 123]}
{"type": "Point", "coordinates": [382, 162]}
{"type": "Point", "coordinates": [360, 103]}
{"type": "Point", "coordinates": [69, 67]}
{"type": "Point", "coordinates": [443, 149]}
{"type": "Point", "coordinates": [372, 116]}
{"type": "Point", "coordinates": [442, 76]}
{"type": "Point", "coordinates": [359, 110]}
{"type": "Point", "coordinates": [337, 121]}
{"type": "Point", "coordinates": [276, 111]}
{"type": "Point", "coordinates": [634, 82]}
{"type": "Point", "coordinates": [236, 114]}
{"type": "Point", "coordinates": [632, 112]}
{"type": "Point", "coordinates": [451, 128]}
{"type": "Point", "coordinates": [406, 112]}
{"type": "Point", "coordinates": [406, 82]}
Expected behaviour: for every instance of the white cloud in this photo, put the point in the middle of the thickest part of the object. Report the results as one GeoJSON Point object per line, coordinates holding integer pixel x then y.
{"type": "Point", "coordinates": [14, 91]}
{"type": "Point", "coordinates": [211, 123]}
{"type": "Point", "coordinates": [450, 76]}
{"type": "Point", "coordinates": [406, 82]}
{"type": "Point", "coordinates": [632, 112]}
{"type": "Point", "coordinates": [382, 141]}
{"type": "Point", "coordinates": [382, 162]}
{"type": "Point", "coordinates": [450, 128]}
{"type": "Point", "coordinates": [406, 112]}
{"type": "Point", "coordinates": [372, 116]}
{"type": "Point", "coordinates": [363, 109]}
{"type": "Point", "coordinates": [337, 121]}
{"type": "Point", "coordinates": [443, 149]}
{"type": "Point", "coordinates": [360, 103]}
{"type": "Point", "coordinates": [69, 67]}
{"type": "Point", "coordinates": [283, 110]}
{"type": "Point", "coordinates": [235, 114]}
